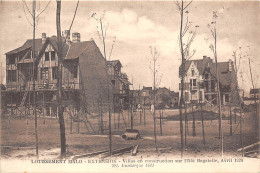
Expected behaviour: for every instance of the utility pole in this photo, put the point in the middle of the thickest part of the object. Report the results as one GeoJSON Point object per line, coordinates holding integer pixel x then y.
{"type": "Point", "coordinates": [34, 92]}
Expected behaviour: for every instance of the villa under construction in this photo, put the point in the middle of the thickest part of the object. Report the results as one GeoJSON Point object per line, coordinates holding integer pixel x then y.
{"type": "Point", "coordinates": [200, 82]}
{"type": "Point", "coordinates": [85, 76]}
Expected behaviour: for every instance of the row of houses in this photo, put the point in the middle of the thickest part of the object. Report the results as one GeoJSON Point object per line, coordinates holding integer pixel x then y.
{"type": "Point", "coordinates": [85, 72]}
{"type": "Point", "coordinates": [200, 85]}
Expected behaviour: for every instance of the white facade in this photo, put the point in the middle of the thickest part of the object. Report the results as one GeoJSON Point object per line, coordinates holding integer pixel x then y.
{"type": "Point", "coordinates": [192, 89]}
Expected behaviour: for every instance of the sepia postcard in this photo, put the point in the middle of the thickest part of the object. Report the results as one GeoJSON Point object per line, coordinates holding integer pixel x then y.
{"type": "Point", "coordinates": [129, 86]}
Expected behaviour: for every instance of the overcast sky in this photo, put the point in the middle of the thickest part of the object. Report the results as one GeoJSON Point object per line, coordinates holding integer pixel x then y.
{"type": "Point", "coordinates": [140, 24]}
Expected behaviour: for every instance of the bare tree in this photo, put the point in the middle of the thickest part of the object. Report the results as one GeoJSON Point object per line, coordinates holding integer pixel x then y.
{"type": "Point", "coordinates": [236, 70]}
{"type": "Point", "coordinates": [201, 115]}
{"type": "Point", "coordinates": [34, 92]}
{"type": "Point", "coordinates": [59, 79]}
{"type": "Point", "coordinates": [156, 80]}
{"type": "Point", "coordinates": [185, 55]}
{"type": "Point", "coordinates": [59, 82]}
{"type": "Point", "coordinates": [102, 36]}
{"type": "Point", "coordinates": [213, 29]}
{"type": "Point", "coordinates": [35, 19]}
{"type": "Point", "coordinates": [253, 82]}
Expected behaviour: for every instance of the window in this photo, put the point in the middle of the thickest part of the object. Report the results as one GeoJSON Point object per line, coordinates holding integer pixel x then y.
{"type": "Point", "coordinates": [47, 56]}
{"type": "Point", "coordinates": [44, 73]}
{"type": "Point", "coordinates": [52, 55]}
{"type": "Point", "coordinates": [75, 71]}
{"type": "Point", "coordinates": [11, 75]}
{"type": "Point", "coordinates": [193, 82]}
{"type": "Point", "coordinates": [226, 97]}
{"type": "Point", "coordinates": [117, 70]}
{"type": "Point", "coordinates": [192, 72]}
{"type": "Point", "coordinates": [11, 61]}
{"type": "Point", "coordinates": [54, 73]}
{"type": "Point", "coordinates": [113, 82]}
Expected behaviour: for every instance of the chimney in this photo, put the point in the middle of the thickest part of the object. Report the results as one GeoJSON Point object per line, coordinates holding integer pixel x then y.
{"type": "Point", "coordinates": [210, 60]}
{"type": "Point", "coordinates": [43, 38]}
{"type": "Point", "coordinates": [66, 35]}
{"type": "Point", "coordinates": [75, 37]}
{"type": "Point", "coordinates": [230, 65]}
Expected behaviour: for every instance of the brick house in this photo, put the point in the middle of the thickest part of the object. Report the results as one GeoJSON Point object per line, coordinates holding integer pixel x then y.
{"type": "Point", "coordinates": [200, 81]}
{"type": "Point", "coordinates": [83, 73]}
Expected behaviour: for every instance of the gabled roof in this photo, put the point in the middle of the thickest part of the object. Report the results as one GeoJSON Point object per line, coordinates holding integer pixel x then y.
{"type": "Point", "coordinates": [71, 51]}
{"type": "Point", "coordinates": [224, 74]}
{"type": "Point", "coordinates": [201, 64]}
{"type": "Point", "coordinates": [26, 45]}
{"type": "Point", "coordinates": [76, 49]}
{"type": "Point", "coordinates": [114, 63]}
{"type": "Point", "coordinates": [38, 45]}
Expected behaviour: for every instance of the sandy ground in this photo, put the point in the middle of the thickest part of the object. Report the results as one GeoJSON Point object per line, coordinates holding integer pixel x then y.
{"type": "Point", "coordinates": [18, 144]}
{"type": "Point", "coordinates": [18, 140]}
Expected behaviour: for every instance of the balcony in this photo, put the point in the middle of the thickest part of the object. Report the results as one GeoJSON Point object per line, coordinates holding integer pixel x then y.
{"type": "Point", "coordinates": [41, 86]}
{"type": "Point", "coordinates": [194, 88]}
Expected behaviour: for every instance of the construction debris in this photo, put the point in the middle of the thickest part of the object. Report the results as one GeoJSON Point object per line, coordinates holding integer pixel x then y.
{"type": "Point", "coordinates": [249, 146]}
{"type": "Point", "coordinates": [118, 151]}
{"type": "Point", "coordinates": [135, 150]}
{"type": "Point", "coordinates": [89, 154]}
{"type": "Point", "coordinates": [131, 134]}
{"type": "Point", "coordinates": [106, 153]}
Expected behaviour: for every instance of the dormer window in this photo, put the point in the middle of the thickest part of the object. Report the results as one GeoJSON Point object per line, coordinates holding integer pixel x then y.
{"type": "Point", "coordinates": [52, 55]}
{"type": "Point", "coordinates": [47, 56]}
{"type": "Point", "coordinates": [192, 72]}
